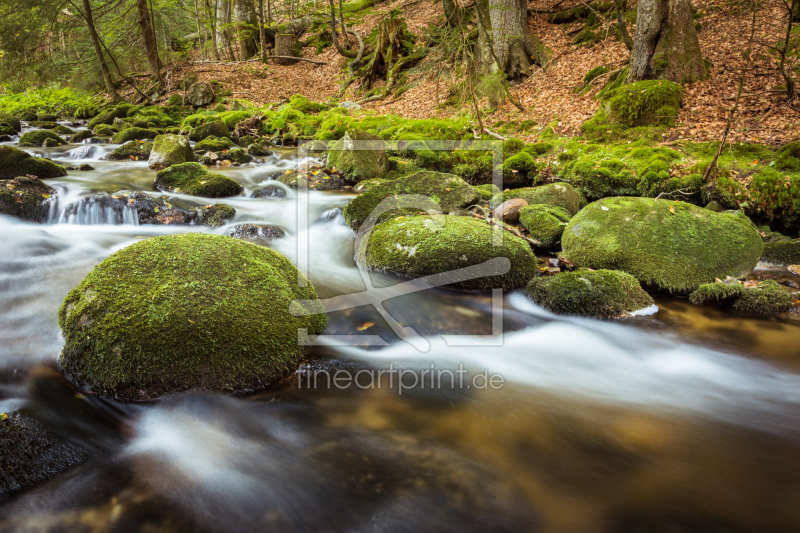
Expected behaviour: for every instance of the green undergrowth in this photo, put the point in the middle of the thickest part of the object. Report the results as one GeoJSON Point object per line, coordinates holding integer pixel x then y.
{"type": "Point", "coordinates": [65, 102]}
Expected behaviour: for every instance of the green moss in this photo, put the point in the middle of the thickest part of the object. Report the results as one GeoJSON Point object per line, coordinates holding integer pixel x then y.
{"type": "Point", "coordinates": [359, 155]}
{"type": "Point", "coordinates": [185, 311]}
{"type": "Point", "coordinates": [556, 194]}
{"type": "Point", "coordinates": [782, 253]}
{"type": "Point", "coordinates": [15, 162]}
{"type": "Point", "coordinates": [447, 190]}
{"type": "Point", "coordinates": [238, 155]}
{"type": "Point", "coordinates": [169, 150]}
{"type": "Point", "coordinates": [421, 245]}
{"type": "Point", "coordinates": [60, 129]}
{"type": "Point", "coordinates": [788, 159]}
{"type": "Point", "coordinates": [175, 99]}
{"type": "Point", "coordinates": [133, 134]}
{"type": "Point", "coordinates": [46, 125]}
{"type": "Point", "coordinates": [37, 138]}
{"type": "Point", "coordinates": [538, 149]}
{"type": "Point", "coordinates": [26, 198]}
{"type": "Point", "coordinates": [214, 144]}
{"type": "Point", "coordinates": [520, 164]}
{"type": "Point", "coordinates": [194, 179]}
{"type": "Point", "coordinates": [215, 128]}
{"type": "Point", "coordinates": [104, 131]}
{"type": "Point", "coordinates": [545, 223]}
{"type": "Point", "coordinates": [217, 215]}
{"type": "Point", "coordinates": [774, 195]}
{"type": "Point", "coordinates": [232, 118]}
{"type": "Point", "coordinates": [133, 150]}
{"type": "Point", "coordinates": [487, 190]}
{"type": "Point", "coordinates": [81, 136]}
{"type": "Point", "coordinates": [674, 246]}
{"type": "Point", "coordinates": [643, 103]}
{"type": "Point", "coordinates": [766, 298]}
{"type": "Point", "coordinates": [598, 293]}
{"type": "Point", "coordinates": [304, 105]}
{"type": "Point", "coordinates": [107, 116]}
{"type": "Point", "coordinates": [7, 129]}
{"type": "Point", "coordinates": [475, 170]}
{"type": "Point", "coordinates": [11, 120]}
{"type": "Point", "coordinates": [716, 293]}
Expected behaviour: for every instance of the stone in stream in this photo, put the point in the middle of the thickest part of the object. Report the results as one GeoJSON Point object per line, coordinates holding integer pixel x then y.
{"type": "Point", "coordinates": [133, 134]}
{"type": "Point", "coordinates": [673, 246]}
{"type": "Point", "coordinates": [320, 180]}
{"type": "Point", "coordinates": [81, 136]}
{"type": "Point", "coordinates": [214, 144]}
{"type": "Point", "coordinates": [194, 179]}
{"type": "Point", "coordinates": [269, 191]}
{"type": "Point", "coordinates": [189, 311]}
{"type": "Point", "coordinates": [509, 210]}
{"type": "Point", "coordinates": [447, 190]}
{"type": "Point", "coordinates": [200, 94]}
{"type": "Point", "coordinates": [11, 120]}
{"type": "Point", "coordinates": [169, 150]}
{"type": "Point", "coordinates": [545, 223]}
{"type": "Point", "coordinates": [5, 138]}
{"type": "Point", "coordinates": [7, 129]}
{"type": "Point", "coordinates": [26, 198]}
{"type": "Point", "coordinates": [30, 454]}
{"type": "Point", "coordinates": [359, 155]}
{"type": "Point", "coordinates": [130, 151]}
{"type": "Point", "coordinates": [38, 137]}
{"type": "Point", "coordinates": [254, 233]}
{"type": "Point", "coordinates": [591, 293]}
{"type": "Point", "coordinates": [415, 246]}
{"type": "Point", "coordinates": [763, 298]}
{"type": "Point", "coordinates": [15, 162]}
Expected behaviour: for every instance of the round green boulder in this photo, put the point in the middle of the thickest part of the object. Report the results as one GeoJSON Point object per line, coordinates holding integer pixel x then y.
{"type": "Point", "coordinates": [190, 311]}
{"type": "Point", "coordinates": [593, 293]}
{"type": "Point", "coordinates": [545, 223]}
{"type": "Point", "coordinates": [674, 246]}
{"type": "Point", "coordinates": [194, 179]}
{"type": "Point", "coordinates": [416, 246]}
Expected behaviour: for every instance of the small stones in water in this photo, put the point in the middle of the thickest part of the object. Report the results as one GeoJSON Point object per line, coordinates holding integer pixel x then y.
{"type": "Point", "coordinates": [254, 233]}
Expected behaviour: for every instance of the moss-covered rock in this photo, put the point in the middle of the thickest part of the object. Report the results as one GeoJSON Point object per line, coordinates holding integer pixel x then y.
{"type": "Point", "coordinates": [448, 191]}
{"type": "Point", "coordinates": [788, 159]}
{"type": "Point", "coordinates": [359, 155]}
{"type": "Point", "coordinates": [254, 233]}
{"type": "Point", "coordinates": [37, 138]}
{"type": "Point", "coordinates": [42, 124]}
{"type": "Point", "coordinates": [238, 155]}
{"type": "Point", "coordinates": [487, 190]}
{"type": "Point", "coordinates": [674, 246]}
{"type": "Point", "coordinates": [190, 311]}
{"type": "Point", "coordinates": [60, 129]}
{"type": "Point", "coordinates": [519, 171]}
{"type": "Point", "coordinates": [545, 223]}
{"type": "Point", "coordinates": [30, 454]}
{"type": "Point", "coordinates": [304, 105]}
{"type": "Point", "coordinates": [214, 144]}
{"type": "Point", "coordinates": [107, 116]}
{"type": "Point", "coordinates": [216, 215]}
{"type": "Point", "coordinates": [720, 292]}
{"type": "Point", "coordinates": [194, 179]}
{"type": "Point", "coordinates": [7, 129]}
{"type": "Point", "coordinates": [81, 136]}
{"type": "Point", "coordinates": [311, 179]}
{"type": "Point", "coordinates": [169, 150]}
{"type": "Point", "coordinates": [417, 246]}
{"type": "Point", "coordinates": [26, 198]}
{"type": "Point", "coordinates": [766, 298]}
{"type": "Point", "coordinates": [556, 194]}
{"type": "Point", "coordinates": [15, 162]}
{"type": "Point", "coordinates": [133, 134]}
{"type": "Point", "coordinates": [131, 150]}
{"type": "Point", "coordinates": [782, 253]}
{"type": "Point", "coordinates": [200, 94]}
{"type": "Point", "coordinates": [11, 120]}
{"type": "Point", "coordinates": [592, 293]}
{"type": "Point", "coordinates": [104, 130]}
{"type": "Point", "coordinates": [643, 103]}
{"type": "Point", "coordinates": [217, 128]}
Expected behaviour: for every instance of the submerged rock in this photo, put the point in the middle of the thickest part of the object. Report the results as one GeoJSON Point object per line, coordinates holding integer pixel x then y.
{"type": "Point", "coordinates": [15, 162]}
{"type": "Point", "coordinates": [194, 179]}
{"type": "Point", "coordinates": [359, 156]}
{"type": "Point", "coordinates": [169, 150]}
{"type": "Point", "coordinates": [415, 246]}
{"type": "Point", "coordinates": [30, 454]}
{"type": "Point", "coordinates": [254, 233]}
{"type": "Point", "coordinates": [673, 246]}
{"type": "Point", "coordinates": [26, 198]}
{"type": "Point", "coordinates": [212, 313]}
{"type": "Point", "coordinates": [592, 293]}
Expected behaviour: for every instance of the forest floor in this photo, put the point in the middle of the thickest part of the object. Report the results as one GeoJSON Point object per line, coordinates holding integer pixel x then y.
{"type": "Point", "coordinates": [549, 94]}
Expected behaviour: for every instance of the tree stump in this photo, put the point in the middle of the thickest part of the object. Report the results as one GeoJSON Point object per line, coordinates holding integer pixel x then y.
{"type": "Point", "coordinates": [284, 46]}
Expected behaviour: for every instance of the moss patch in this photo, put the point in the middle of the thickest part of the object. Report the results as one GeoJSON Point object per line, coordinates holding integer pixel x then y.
{"type": "Point", "coordinates": [133, 150]}
{"type": "Point", "coordinates": [133, 134]}
{"type": "Point", "coordinates": [545, 223]}
{"type": "Point", "coordinates": [716, 293]}
{"type": "Point", "coordinates": [191, 311]}
{"type": "Point", "coordinates": [766, 298]}
{"type": "Point", "coordinates": [15, 162]}
{"type": "Point", "coordinates": [217, 128]}
{"type": "Point", "coordinates": [359, 156]}
{"type": "Point", "coordinates": [782, 253]}
{"type": "Point", "coordinates": [556, 194]}
{"type": "Point", "coordinates": [214, 144]}
{"type": "Point", "coordinates": [194, 179]}
{"type": "Point", "coordinates": [644, 103]}
{"type": "Point", "coordinates": [38, 137]}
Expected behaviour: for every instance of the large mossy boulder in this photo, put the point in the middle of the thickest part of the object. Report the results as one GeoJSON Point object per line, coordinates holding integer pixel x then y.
{"type": "Point", "coordinates": [200, 94]}
{"type": "Point", "coordinates": [447, 190]}
{"type": "Point", "coordinates": [359, 155]}
{"type": "Point", "coordinates": [644, 103]}
{"type": "Point", "coordinates": [545, 223]}
{"type": "Point", "coordinates": [668, 245]}
{"type": "Point", "coordinates": [169, 150]}
{"type": "Point", "coordinates": [592, 293]}
{"type": "Point", "coordinates": [133, 134]}
{"type": "Point", "coordinates": [215, 128]}
{"type": "Point", "coordinates": [131, 150]}
{"type": "Point", "coordinates": [194, 179]}
{"type": "Point", "coordinates": [38, 137]}
{"type": "Point", "coordinates": [190, 311]}
{"type": "Point", "coordinates": [561, 195]}
{"type": "Point", "coordinates": [15, 162]}
{"type": "Point", "coordinates": [416, 246]}
{"type": "Point", "coordinates": [26, 198]}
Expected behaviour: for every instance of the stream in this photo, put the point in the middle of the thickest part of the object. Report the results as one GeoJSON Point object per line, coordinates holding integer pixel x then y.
{"type": "Point", "coordinates": [682, 420]}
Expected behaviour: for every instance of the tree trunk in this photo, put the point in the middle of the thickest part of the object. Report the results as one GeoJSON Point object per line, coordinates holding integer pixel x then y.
{"type": "Point", "coordinates": [284, 46]}
{"type": "Point", "coordinates": [245, 15]}
{"type": "Point", "coordinates": [505, 42]}
{"type": "Point", "coordinates": [665, 45]}
{"type": "Point", "coordinates": [262, 22]}
{"type": "Point", "coordinates": [212, 15]}
{"type": "Point", "coordinates": [112, 91]}
{"type": "Point", "coordinates": [621, 6]}
{"type": "Point", "coordinates": [149, 36]}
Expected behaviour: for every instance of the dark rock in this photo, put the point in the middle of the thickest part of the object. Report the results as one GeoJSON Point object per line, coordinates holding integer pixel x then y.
{"type": "Point", "coordinates": [311, 179]}
{"type": "Point", "coordinates": [26, 198]}
{"type": "Point", "coordinates": [15, 162]}
{"type": "Point", "coordinates": [252, 232]}
{"type": "Point", "coordinates": [269, 191]}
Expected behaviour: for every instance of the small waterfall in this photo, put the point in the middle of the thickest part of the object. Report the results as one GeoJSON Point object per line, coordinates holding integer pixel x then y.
{"type": "Point", "coordinates": [87, 151]}
{"type": "Point", "coordinates": [99, 210]}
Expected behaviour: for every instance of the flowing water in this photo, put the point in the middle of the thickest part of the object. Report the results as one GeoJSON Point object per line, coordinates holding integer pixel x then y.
{"type": "Point", "coordinates": [685, 419]}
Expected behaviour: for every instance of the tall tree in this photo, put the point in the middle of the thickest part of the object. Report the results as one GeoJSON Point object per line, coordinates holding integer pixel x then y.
{"type": "Point", "coordinates": [665, 45]}
{"type": "Point", "coordinates": [87, 16]}
{"type": "Point", "coordinates": [244, 14]}
{"type": "Point", "coordinates": [505, 42]}
{"type": "Point", "coordinates": [149, 36]}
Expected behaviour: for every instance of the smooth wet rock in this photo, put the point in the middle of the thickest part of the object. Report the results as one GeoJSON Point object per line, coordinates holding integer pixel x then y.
{"type": "Point", "coordinates": [269, 191]}
{"type": "Point", "coordinates": [169, 150]}
{"type": "Point", "coordinates": [254, 233]}
{"type": "Point", "coordinates": [591, 293]}
{"type": "Point", "coordinates": [673, 246]}
{"type": "Point", "coordinates": [26, 198]}
{"type": "Point", "coordinates": [211, 313]}
{"type": "Point", "coordinates": [509, 210]}
{"type": "Point", "coordinates": [200, 94]}
{"type": "Point", "coordinates": [15, 162]}
{"type": "Point", "coordinates": [194, 179]}
{"type": "Point", "coordinates": [359, 155]}
{"type": "Point", "coordinates": [83, 168]}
